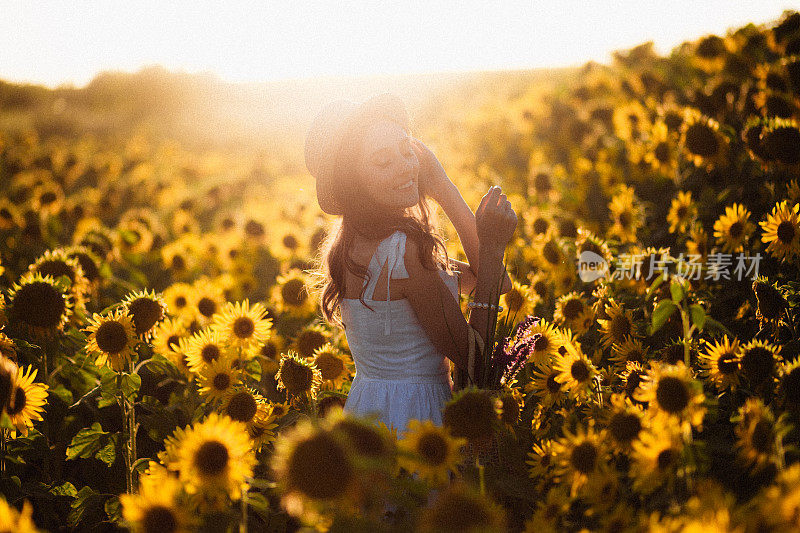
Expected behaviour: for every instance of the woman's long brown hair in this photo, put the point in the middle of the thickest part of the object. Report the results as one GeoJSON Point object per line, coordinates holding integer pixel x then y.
{"type": "Point", "coordinates": [363, 217]}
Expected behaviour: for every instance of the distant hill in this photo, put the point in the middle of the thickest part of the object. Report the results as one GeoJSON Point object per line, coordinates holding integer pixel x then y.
{"type": "Point", "coordinates": [202, 110]}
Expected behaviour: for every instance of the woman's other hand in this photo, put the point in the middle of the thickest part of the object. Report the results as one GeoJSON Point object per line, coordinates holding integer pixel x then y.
{"type": "Point", "coordinates": [433, 180]}
{"type": "Point", "coordinates": [495, 220]}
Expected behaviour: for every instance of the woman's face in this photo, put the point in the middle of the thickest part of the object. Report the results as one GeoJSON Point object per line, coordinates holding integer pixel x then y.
{"type": "Point", "coordinates": [389, 169]}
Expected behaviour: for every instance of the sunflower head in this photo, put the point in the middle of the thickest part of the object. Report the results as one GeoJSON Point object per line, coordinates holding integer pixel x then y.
{"type": "Point", "coordinates": [215, 455]}
{"type": "Point", "coordinates": [470, 413]}
{"type": "Point", "coordinates": [244, 325]}
{"type": "Point", "coordinates": [309, 339]}
{"type": "Point", "coordinates": [146, 309]}
{"type": "Point", "coordinates": [297, 375]}
{"type": "Point", "coordinates": [460, 507]}
{"type": "Point", "coordinates": [369, 441]}
{"type": "Point", "coordinates": [314, 465]}
{"type": "Point", "coordinates": [430, 450]}
{"type": "Point", "coordinates": [759, 361]}
{"type": "Point", "coordinates": [112, 339]}
{"type": "Point", "coordinates": [40, 304]}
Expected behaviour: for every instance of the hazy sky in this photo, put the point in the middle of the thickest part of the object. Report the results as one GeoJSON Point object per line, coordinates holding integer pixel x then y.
{"type": "Point", "coordinates": [54, 42]}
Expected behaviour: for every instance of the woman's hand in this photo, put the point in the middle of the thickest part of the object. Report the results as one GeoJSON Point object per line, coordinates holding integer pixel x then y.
{"type": "Point", "coordinates": [495, 220]}
{"type": "Point", "coordinates": [433, 180]}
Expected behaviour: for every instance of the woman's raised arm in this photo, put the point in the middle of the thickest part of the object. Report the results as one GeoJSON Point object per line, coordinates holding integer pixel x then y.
{"type": "Point", "coordinates": [436, 309]}
{"type": "Point", "coordinates": [435, 182]}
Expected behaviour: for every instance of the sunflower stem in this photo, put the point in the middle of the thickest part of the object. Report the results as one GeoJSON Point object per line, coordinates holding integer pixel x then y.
{"type": "Point", "coordinates": [243, 523]}
{"type": "Point", "coordinates": [3, 451]}
{"type": "Point", "coordinates": [481, 476]}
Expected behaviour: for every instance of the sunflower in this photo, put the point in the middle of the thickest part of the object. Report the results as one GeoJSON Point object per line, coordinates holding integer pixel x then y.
{"type": "Point", "coordinates": [203, 347]}
{"type": "Point", "coordinates": [157, 507]}
{"type": "Point", "coordinates": [26, 400]}
{"type": "Point", "coordinates": [207, 301]}
{"type": "Point", "coordinates": [314, 466]}
{"type": "Point", "coordinates": [697, 245]}
{"type": "Point", "coordinates": [759, 434]}
{"type": "Point", "coordinates": [215, 454]}
{"type": "Point", "coordinates": [672, 393]}
{"type": "Point", "coordinates": [580, 455]}
{"type": "Point", "coordinates": [721, 362]}
{"type": "Point", "coordinates": [733, 229]}
{"type": "Point", "coordinates": [656, 458]}
{"type": "Point", "coordinates": [661, 148]}
{"type": "Point", "coordinates": [548, 252]}
{"type": "Point", "coordinates": [630, 350]}
{"type": "Point", "coordinates": [782, 231]}
{"type": "Point", "coordinates": [550, 511]}
{"type": "Point", "coordinates": [630, 120]}
{"type": "Point", "coordinates": [780, 138]}
{"type": "Point", "coordinates": [269, 353]}
{"type": "Point", "coordinates": [627, 215]}
{"type": "Point", "coordinates": [16, 521]}
{"type": "Point", "coordinates": [624, 422]}
{"type": "Point", "coordinates": [147, 309]}
{"type": "Point", "coordinates": [681, 212]}
{"type": "Point", "coordinates": [460, 507]}
{"type": "Point", "coordinates": [631, 378]}
{"type": "Point", "coordinates": [292, 294]}
{"type": "Point", "coordinates": [297, 375]}
{"type": "Point", "coordinates": [10, 217]}
{"type": "Point", "coordinates": [90, 263]}
{"type": "Point", "coordinates": [618, 327]}
{"type": "Point", "coordinates": [544, 385]}
{"type": "Point", "coordinates": [541, 460]}
{"type": "Point", "coordinates": [586, 241]}
{"type": "Point", "coordinates": [547, 344]}
{"type": "Point", "coordinates": [167, 337]}
{"type": "Point", "coordinates": [702, 141]}
{"type": "Point", "coordinates": [135, 237]}
{"type": "Point", "coordinates": [430, 450]}
{"type": "Point", "coordinates": [261, 428]}
{"type": "Point", "coordinates": [509, 405]}
{"type": "Point", "coordinates": [309, 339]}
{"type": "Point", "coordinates": [57, 263]}
{"type": "Point", "coordinates": [218, 379]}
{"type": "Point", "coordinates": [572, 312]}
{"type": "Point", "coordinates": [575, 371]}
{"type": "Point", "coordinates": [372, 443]}
{"type": "Point", "coordinates": [243, 326]}
{"type": "Point", "coordinates": [540, 286]}
{"type": "Point", "coordinates": [759, 361]}
{"type": "Point", "coordinates": [39, 304]}
{"type": "Point", "coordinates": [518, 301]}
{"type": "Point", "coordinates": [7, 347]}
{"type": "Point", "coordinates": [470, 413]}
{"type": "Point", "coordinates": [178, 298]}
{"type": "Point", "coordinates": [334, 365]}
{"type": "Point", "coordinates": [47, 199]}
{"type": "Point", "coordinates": [112, 339]}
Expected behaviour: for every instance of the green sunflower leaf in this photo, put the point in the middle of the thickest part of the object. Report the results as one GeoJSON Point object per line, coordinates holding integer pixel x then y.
{"type": "Point", "coordinates": [662, 312]}
{"type": "Point", "coordinates": [698, 315]}
{"type": "Point", "coordinates": [87, 442]}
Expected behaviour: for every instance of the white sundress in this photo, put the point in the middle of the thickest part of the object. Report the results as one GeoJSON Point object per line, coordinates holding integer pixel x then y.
{"type": "Point", "coordinates": [400, 374]}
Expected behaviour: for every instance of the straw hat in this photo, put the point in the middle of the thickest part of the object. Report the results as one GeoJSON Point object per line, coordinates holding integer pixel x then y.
{"type": "Point", "coordinates": [330, 127]}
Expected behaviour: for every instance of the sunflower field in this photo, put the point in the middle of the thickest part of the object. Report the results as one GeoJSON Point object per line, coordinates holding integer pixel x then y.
{"type": "Point", "coordinates": [164, 366]}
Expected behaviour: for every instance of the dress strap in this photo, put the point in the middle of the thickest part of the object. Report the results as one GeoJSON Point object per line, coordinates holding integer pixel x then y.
{"type": "Point", "coordinates": [390, 252]}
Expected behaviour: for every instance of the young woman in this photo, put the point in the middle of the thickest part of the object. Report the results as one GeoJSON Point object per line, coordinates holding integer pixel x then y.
{"type": "Point", "coordinates": [385, 274]}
